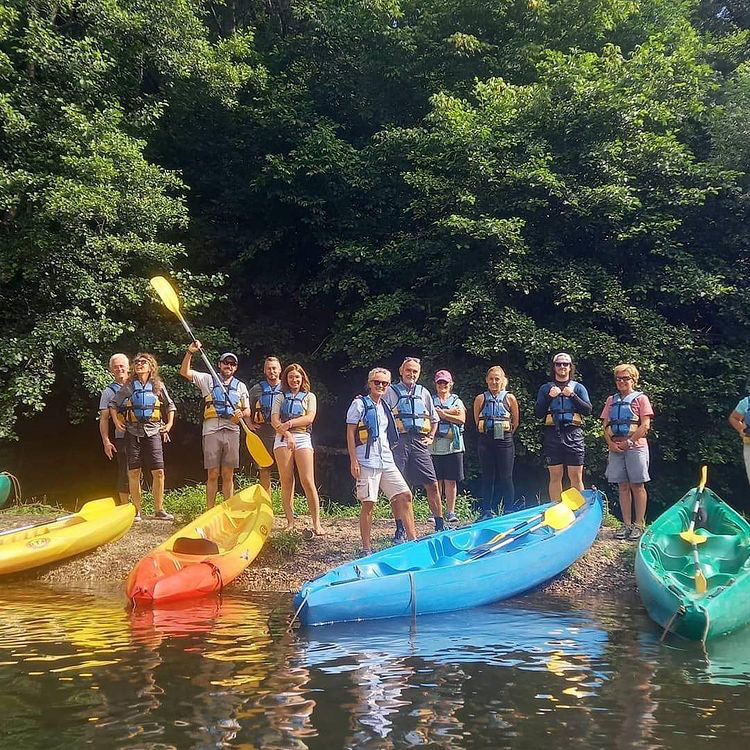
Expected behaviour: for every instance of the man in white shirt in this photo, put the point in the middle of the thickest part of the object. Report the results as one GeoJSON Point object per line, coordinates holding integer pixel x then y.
{"type": "Point", "coordinates": [370, 433]}
{"type": "Point", "coordinates": [221, 420]}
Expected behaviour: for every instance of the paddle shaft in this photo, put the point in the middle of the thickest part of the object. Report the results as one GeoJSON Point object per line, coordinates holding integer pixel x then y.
{"type": "Point", "coordinates": [496, 547]}
{"type": "Point", "coordinates": [36, 525]}
{"type": "Point", "coordinates": [480, 550]}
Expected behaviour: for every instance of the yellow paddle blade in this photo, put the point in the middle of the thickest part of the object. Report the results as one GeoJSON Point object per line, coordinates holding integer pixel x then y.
{"type": "Point", "coordinates": [167, 294]}
{"type": "Point", "coordinates": [256, 449]}
{"type": "Point", "coordinates": [704, 478]}
{"type": "Point", "coordinates": [573, 498]}
{"type": "Point", "coordinates": [559, 516]}
{"type": "Point", "coordinates": [701, 584]}
{"type": "Point", "coordinates": [692, 537]}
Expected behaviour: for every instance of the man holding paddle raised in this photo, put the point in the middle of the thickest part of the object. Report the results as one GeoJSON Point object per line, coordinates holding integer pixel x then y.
{"type": "Point", "coordinates": [225, 404]}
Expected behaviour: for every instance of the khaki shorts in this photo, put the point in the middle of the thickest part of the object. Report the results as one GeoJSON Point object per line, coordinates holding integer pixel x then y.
{"type": "Point", "coordinates": [389, 480]}
{"type": "Point", "coordinates": [221, 448]}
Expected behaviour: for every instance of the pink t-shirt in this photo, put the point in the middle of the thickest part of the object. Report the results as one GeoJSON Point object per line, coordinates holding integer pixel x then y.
{"type": "Point", "coordinates": [641, 407]}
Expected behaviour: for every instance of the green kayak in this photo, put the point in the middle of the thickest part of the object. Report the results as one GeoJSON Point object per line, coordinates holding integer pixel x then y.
{"type": "Point", "coordinates": [666, 572]}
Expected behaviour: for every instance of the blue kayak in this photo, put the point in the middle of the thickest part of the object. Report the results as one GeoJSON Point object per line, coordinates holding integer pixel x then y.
{"type": "Point", "coordinates": [438, 573]}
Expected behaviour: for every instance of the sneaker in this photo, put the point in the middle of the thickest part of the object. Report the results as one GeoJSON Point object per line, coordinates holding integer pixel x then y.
{"type": "Point", "coordinates": [365, 553]}
{"type": "Point", "coordinates": [162, 515]}
{"type": "Point", "coordinates": [636, 532]}
{"type": "Point", "coordinates": [137, 517]}
{"type": "Point", "coordinates": [623, 532]}
{"type": "Point", "coordinates": [451, 518]}
{"type": "Point", "coordinates": [399, 536]}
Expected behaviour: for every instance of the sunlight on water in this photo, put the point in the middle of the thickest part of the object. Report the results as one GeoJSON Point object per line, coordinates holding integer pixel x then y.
{"type": "Point", "coordinates": [78, 667]}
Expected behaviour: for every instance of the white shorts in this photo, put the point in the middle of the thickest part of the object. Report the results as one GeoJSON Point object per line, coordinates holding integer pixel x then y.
{"type": "Point", "coordinates": [389, 480]}
{"type": "Point", "coordinates": [301, 440]}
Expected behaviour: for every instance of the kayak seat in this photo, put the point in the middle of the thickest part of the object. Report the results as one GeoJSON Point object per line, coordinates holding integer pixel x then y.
{"type": "Point", "coordinates": [185, 545]}
{"type": "Point", "coordinates": [671, 563]}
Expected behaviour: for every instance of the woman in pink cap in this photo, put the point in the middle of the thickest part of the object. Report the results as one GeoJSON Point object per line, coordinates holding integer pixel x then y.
{"type": "Point", "coordinates": [448, 447]}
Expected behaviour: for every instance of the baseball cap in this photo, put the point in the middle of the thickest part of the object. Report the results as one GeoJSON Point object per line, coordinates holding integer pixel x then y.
{"type": "Point", "coordinates": [229, 355]}
{"type": "Point", "coordinates": [443, 375]}
{"type": "Point", "coordinates": [562, 357]}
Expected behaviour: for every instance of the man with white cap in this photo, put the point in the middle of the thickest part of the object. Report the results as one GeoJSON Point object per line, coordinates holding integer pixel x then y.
{"type": "Point", "coordinates": [563, 403]}
{"type": "Point", "coordinates": [222, 410]}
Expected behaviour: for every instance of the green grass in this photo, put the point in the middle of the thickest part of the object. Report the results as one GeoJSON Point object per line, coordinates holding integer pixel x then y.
{"type": "Point", "coordinates": [286, 542]}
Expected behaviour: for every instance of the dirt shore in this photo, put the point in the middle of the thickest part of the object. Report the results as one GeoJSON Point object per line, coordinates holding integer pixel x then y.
{"type": "Point", "coordinates": [606, 567]}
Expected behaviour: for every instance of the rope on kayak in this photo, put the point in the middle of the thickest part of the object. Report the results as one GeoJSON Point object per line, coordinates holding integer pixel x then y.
{"type": "Point", "coordinates": [299, 609]}
{"type": "Point", "coordinates": [217, 574]}
{"type": "Point", "coordinates": [678, 612]}
{"type": "Point", "coordinates": [413, 595]}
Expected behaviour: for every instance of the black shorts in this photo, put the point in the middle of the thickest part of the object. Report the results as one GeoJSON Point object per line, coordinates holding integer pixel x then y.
{"type": "Point", "coordinates": [145, 452]}
{"type": "Point", "coordinates": [564, 447]}
{"type": "Point", "coordinates": [413, 460]}
{"type": "Point", "coordinates": [121, 445]}
{"type": "Point", "coordinates": [449, 466]}
{"type": "Point", "coordinates": [267, 434]}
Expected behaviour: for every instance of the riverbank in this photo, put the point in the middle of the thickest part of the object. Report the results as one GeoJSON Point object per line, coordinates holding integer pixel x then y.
{"type": "Point", "coordinates": [287, 561]}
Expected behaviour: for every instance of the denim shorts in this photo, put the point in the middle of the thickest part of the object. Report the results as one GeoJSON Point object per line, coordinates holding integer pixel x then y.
{"type": "Point", "coordinates": [630, 466]}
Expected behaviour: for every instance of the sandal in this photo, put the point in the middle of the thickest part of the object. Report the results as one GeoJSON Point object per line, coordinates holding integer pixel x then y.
{"type": "Point", "coordinates": [623, 532]}
{"type": "Point", "coordinates": [636, 532]}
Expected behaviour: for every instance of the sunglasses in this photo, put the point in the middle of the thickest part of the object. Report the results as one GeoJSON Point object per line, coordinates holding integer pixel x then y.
{"type": "Point", "coordinates": [562, 364]}
{"type": "Point", "coordinates": [229, 362]}
{"type": "Point", "coordinates": [383, 383]}
{"type": "Point", "coordinates": [411, 359]}
{"type": "Point", "coordinates": [623, 377]}
{"type": "Point", "coordinates": [140, 361]}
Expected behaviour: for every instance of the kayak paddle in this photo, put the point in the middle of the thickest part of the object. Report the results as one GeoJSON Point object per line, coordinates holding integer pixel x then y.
{"type": "Point", "coordinates": [253, 442]}
{"type": "Point", "coordinates": [558, 517]}
{"type": "Point", "coordinates": [701, 584]}
{"type": "Point", "coordinates": [572, 498]}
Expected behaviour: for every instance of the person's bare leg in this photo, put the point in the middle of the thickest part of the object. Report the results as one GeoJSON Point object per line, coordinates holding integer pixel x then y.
{"type": "Point", "coordinates": [227, 481]}
{"type": "Point", "coordinates": [555, 482]}
{"type": "Point", "coordinates": [264, 476]}
{"type": "Point", "coordinates": [640, 499]}
{"type": "Point", "coordinates": [365, 523]}
{"type": "Point", "coordinates": [433, 498]}
{"type": "Point", "coordinates": [402, 505]}
{"type": "Point", "coordinates": [305, 460]}
{"type": "Point", "coordinates": [450, 489]}
{"type": "Point", "coordinates": [286, 474]}
{"type": "Point", "coordinates": [158, 489]}
{"type": "Point", "coordinates": [625, 502]}
{"type": "Point", "coordinates": [212, 485]}
{"type": "Point", "coordinates": [134, 481]}
{"type": "Point", "coordinates": [575, 474]}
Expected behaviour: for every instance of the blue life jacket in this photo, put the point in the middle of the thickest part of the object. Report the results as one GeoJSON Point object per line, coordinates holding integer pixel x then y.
{"type": "Point", "coordinates": [561, 412]}
{"type": "Point", "coordinates": [623, 421]}
{"type": "Point", "coordinates": [747, 426]}
{"type": "Point", "coordinates": [144, 405]}
{"type": "Point", "coordinates": [293, 406]}
{"type": "Point", "coordinates": [411, 412]}
{"type": "Point", "coordinates": [262, 407]}
{"type": "Point", "coordinates": [368, 427]}
{"type": "Point", "coordinates": [217, 405]}
{"type": "Point", "coordinates": [494, 410]}
{"type": "Point", "coordinates": [445, 429]}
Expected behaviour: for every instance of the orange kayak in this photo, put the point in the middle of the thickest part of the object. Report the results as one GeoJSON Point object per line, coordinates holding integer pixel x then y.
{"type": "Point", "coordinates": [207, 554]}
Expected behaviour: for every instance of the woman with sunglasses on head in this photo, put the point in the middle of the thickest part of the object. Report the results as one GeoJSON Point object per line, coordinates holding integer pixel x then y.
{"type": "Point", "coordinates": [139, 409]}
{"type": "Point", "coordinates": [627, 419]}
{"type": "Point", "coordinates": [563, 403]}
{"type": "Point", "coordinates": [292, 414]}
{"type": "Point", "coordinates": [497, 417]}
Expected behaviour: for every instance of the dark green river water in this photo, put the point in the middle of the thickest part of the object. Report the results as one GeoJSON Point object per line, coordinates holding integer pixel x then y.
{"type": "Point", "coordinates": [77, 669]}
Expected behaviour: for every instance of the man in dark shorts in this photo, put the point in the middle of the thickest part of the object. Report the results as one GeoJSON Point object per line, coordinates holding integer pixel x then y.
{"type": "Point", "coordinates": [119, 367]}
{"type": "Point", "coordinates": [563, 403]}
{"type": "Point", "coordinates": [417, 422]}
{"type": "Point", "coordinates": [262, 395]}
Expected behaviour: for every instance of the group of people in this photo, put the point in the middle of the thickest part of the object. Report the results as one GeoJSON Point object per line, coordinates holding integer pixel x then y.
{"type": "Point", "coordinates": [399, 436]}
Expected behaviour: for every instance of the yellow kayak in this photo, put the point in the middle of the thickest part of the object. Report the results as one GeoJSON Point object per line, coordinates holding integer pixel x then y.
{"type": "Point", "coordinates": [207, 554]}
{"type": "Point", "coordinates": [98, 522]}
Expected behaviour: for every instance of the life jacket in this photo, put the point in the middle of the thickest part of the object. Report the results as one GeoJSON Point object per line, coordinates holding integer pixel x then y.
{"type": "Point", "coordinates": [293, 406]}
{"type": "Point", "coordinates": [623, 421]}
{"type": "Point", "coordinates": [445, 429]}
{"type": "Point", "coordinates": [262, 407]}
{"type": "Point", "coordinates": [410, 411]}
{"type": "Point", "coordinates": [561, 412]}
{"type": "Point", "coordinates": [221, 405]}
{"type": "Point", "coordinates": [747, 426]}
{"type": "Point", "coordinates": [144, 405]}
{"type": "Point", "coordinates": [368, 427]}
{"type": "Point", "coordinates": [494, 409]}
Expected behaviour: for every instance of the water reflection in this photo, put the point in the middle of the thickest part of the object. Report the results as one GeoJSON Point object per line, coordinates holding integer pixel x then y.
{"type": "Point", "coordinates": [77, 668]}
